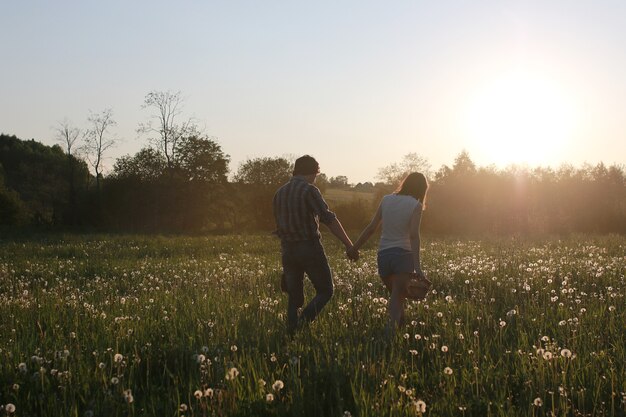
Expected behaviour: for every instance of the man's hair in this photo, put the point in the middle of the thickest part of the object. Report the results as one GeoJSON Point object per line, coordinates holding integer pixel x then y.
{"type": "Point", "coordinates": [306, 165]}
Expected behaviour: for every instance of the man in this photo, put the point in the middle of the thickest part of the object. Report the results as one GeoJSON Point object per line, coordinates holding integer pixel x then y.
{"type": "Point", "coordinates": [298, 209]}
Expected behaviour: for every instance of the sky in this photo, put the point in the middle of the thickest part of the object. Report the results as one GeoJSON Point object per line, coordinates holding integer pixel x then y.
{"type": "Point", "coordinates": [357, 84]}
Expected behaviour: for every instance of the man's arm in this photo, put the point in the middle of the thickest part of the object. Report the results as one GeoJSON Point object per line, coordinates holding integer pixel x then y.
{"type": "Point", "coordinates": [319, 206]}
{"type": "Point", "coordinates": [368, 231]}
{"type": "Point", "coordinates": [337, 229]}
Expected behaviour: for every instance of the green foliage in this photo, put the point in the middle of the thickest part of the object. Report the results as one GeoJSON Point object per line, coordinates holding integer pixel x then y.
{"type": "Point", "coordinates": [12, 210]}
{"type": "Point", "coordinates": [91, 322]}
{"type": "Point", "coordinates": [271, 172]}
{"type": "Point", "coordinates": [146, 165]}
{"type": "Point", "coordinates": [201, 159]}
{"type": "Point", "coordinates": [256, 182]}
{"type": "Point", "coordinates": [38, 175]}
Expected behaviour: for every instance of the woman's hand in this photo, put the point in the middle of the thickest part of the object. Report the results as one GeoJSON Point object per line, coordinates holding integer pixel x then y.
{"type": "Point", "coordinates": [352, 253]}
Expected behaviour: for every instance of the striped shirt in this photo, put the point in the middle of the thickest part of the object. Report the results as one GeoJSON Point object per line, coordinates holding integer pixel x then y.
{"type": "Point", "coordinates": [298, 209]}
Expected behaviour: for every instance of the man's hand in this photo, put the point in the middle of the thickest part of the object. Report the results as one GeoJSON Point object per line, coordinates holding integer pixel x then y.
{"type": "Point", "coordinates": [352, 254]}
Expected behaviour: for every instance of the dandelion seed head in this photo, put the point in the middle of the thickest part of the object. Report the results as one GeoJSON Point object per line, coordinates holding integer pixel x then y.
{"type": "Point", "coordinates": [232, 373]}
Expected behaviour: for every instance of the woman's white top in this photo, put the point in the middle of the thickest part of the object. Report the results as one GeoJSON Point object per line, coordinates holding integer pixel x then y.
{"type": "Point", "coordinates": [397, 212]}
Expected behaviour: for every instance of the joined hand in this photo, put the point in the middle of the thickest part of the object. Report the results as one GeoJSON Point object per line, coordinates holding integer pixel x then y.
{"type": "Point", "coordinates": [352, 254]}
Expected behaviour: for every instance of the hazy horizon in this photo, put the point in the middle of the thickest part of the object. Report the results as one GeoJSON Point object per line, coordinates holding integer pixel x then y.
{"type": "Point", "coordinates": [357, 85]}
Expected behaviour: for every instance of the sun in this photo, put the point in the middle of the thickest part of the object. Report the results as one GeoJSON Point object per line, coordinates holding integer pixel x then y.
{"type": "Point", "coordinates": [519, 118]}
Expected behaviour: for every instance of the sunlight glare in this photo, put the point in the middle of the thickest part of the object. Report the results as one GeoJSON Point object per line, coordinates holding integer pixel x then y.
{"type": "Point", "coordinates": [520, 118]}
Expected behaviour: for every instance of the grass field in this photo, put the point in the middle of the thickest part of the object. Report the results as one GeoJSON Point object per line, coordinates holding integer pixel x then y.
{"type": "Point", "coordinates": [338, 196]}
{"type": "Point", "coordinates": [117, 326]}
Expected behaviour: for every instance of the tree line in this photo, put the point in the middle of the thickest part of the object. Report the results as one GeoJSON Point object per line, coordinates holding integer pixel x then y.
{"type": "Point", "coordinates": [179, 183]}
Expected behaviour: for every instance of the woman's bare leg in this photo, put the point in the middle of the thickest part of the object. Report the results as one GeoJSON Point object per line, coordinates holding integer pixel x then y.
{"type": "Point", "coordinates": [398, 297]}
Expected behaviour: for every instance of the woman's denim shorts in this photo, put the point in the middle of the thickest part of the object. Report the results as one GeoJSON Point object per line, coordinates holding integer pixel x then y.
{"type": "Point", "coordinates": [395, 261]}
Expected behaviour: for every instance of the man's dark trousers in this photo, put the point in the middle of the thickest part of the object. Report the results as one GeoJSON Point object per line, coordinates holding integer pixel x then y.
{"type": "Point", "coordinates": [299, 257]}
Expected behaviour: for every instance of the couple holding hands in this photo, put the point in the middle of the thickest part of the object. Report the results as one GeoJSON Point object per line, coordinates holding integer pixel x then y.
{"type": "Point", "coordinates": [298, 209]}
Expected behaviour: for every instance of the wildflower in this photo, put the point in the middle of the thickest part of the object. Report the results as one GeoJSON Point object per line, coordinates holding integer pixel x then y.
{"type": "Point", "coordinates": [547, 355]}
{"type": "Point", "coordinates": [566, 353]}
{"type": "Point", "coordinates": [16, 387]}
{"type": "Point", "coordinates": [233, 348]}
{"type": "Point", "coordinates": [418, 337]}
{"type": "Point", "coordinates": [440, 314]}
{"type": "Point", "coordinates": [401, 388]}
{"type": "Point", "coordinates": [447, 370]}
{"type": "Point", "coordinates": [183, 407]}
{"type": "Point", "coordinates": [537, 402]}
{"type": "Point", "coordinates": [128, 396]}
{"type": "Point", "coordinates": [200, 358]}
{"type": "Point", "coordinates": [420, 406]}
{"type": "Point", "coordinates": [269, 397]}
{"type": "Point", "coordinates": [502, 323]}
{"type": "Point", "coordinates": [611, 308]}
{"type": "Point", "coordinates": [118, 358]}
{"type": "Point", "coordinates": [444, 348]}
{"type": "Point", "coordinates": [22, 367]}
{"type": "Point", "coordinates": [278, 385]}
{"type": "Point", "coordinates": [232, 373]}
{"type": "Point", "coordinates": [208, 392]}
{"type": "Point", "coordinates": [413, 352]}
{"type": "Point", "coordinates": [197, 394]}
{"type": "Point", "coordinates": [262, 382]}
{"type": "Point", "coordinates": [347, 414]}
{"type": "Point", "coordinates": [9, 408]}
{"type": "Point", "coordinates": [115, 380]}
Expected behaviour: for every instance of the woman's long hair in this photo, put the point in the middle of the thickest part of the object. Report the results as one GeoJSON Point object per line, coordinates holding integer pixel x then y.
{"type": "Point", "coordinates": [415, 185]}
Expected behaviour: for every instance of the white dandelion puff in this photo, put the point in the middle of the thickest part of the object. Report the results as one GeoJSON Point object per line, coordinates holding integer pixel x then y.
{"type": "Point", "coordinates": [278, 385]}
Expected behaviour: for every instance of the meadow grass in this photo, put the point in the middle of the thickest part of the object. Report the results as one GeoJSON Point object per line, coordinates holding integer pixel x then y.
{"type": "Point", "coordinates": [168, 326]}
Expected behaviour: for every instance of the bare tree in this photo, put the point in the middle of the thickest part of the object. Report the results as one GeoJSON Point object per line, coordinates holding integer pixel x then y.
{"type": "Point", "coordinates": [163, 126]}
{"type": "Point", "coordinates": [68, 135]}
{"type": "Point", "coordinates": [98, 139]}
{"type": "Point", "coordinates": [411, 162]}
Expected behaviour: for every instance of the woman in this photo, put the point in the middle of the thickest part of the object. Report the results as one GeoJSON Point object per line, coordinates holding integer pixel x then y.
{"type": "Point", "coordinates": [399, 248]}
